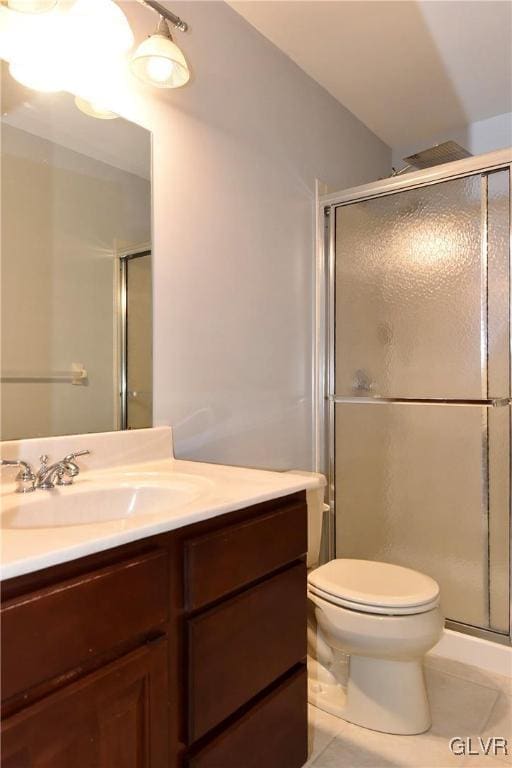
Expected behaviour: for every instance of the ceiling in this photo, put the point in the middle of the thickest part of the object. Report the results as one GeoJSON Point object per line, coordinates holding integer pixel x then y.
{"type": "Point", "coordinates": [409, 70]}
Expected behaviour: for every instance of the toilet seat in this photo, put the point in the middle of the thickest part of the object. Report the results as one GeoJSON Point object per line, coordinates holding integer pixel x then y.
{"type": "Point", "coordinates": [373, 609]}
{"type": "Point", "coordinates": [373, 587]}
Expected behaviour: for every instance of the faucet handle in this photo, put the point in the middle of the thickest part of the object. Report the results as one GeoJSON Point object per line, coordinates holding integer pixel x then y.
{"type": "Point", "coordinates": [68, 468]}
{"type": "Point", "coordinates": [25, 479]}
{"type": "Point", "coordinates": [73, 456]}
{"type": "Point", "coordinates": [24, 467]}
{"type": "Point", "coordinates": [14, 463]}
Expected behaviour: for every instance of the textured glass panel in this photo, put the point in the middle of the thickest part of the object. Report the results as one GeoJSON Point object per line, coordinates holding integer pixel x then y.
{"type": "Point", "coordinates": [498, 282]}
{"type": "Point", "coordinates": [499, 517]}
{"type": "Point", "coordinates": [139, 343]}
{"type": "Point", "coordinates": [411, 489]}
{"type": "Point", "coordinates": [409, 283]}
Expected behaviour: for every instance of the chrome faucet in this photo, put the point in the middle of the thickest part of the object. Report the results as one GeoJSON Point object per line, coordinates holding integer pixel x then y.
{"type": "Point", "coordinates": [25, 479]}
{"type": "Point", "coordinates": [60, 473]}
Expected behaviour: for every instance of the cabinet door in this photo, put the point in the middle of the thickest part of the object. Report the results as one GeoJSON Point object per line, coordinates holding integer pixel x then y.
{"type": "Point", "coordinates": [114, 717]}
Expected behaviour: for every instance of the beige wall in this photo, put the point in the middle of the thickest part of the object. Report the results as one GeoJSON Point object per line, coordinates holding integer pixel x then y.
{"type": "Point", "coordinates": [62, 216]}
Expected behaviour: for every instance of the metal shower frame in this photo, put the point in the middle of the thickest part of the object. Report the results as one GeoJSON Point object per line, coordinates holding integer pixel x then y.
{"type": "Point", "coordinates": [324, 382]}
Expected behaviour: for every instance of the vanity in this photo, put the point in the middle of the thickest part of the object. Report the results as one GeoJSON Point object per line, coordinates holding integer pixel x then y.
{"type": "Point", "coordinates": [181, 647]}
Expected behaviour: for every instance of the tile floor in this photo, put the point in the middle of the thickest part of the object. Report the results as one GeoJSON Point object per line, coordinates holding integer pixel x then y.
{"type": "Point", "coordinates": [465, 701]}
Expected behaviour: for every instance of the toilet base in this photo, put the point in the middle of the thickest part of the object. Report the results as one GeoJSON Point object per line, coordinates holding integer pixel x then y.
{"type": "Point", "coordinates": [383, 695]}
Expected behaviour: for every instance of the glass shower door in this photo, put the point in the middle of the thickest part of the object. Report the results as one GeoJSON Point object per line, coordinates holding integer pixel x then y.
{"type": "Point", "coordinates": [136, 363]}
{"type": "Point", "coordinates": [421, 411]}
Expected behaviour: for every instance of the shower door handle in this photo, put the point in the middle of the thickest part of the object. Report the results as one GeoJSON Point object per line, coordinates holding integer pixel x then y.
{"type": "Point", "coordinates": [497, 402]}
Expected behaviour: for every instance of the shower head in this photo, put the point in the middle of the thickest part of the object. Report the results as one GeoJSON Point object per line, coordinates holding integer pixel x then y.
{"type": "Point", "coordinates": [442, 153]}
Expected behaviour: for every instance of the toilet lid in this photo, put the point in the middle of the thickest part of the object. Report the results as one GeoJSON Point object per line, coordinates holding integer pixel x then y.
{"type": "Point", "coordinates": [374, 587]}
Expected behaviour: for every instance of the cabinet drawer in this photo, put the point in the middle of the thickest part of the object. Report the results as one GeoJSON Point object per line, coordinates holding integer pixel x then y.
{"type": "Point", "coordinates": [56, 629]}
{"type": "Point", "coordinates": [273, 733]}
{"type": "Point", "coordinates": [240, 647]}
{"type": "Point", "coordinates": [221, 562]}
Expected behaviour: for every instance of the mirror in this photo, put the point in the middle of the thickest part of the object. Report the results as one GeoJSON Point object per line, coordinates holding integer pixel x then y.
{"type": "Point", "coordinates": [76, 299]}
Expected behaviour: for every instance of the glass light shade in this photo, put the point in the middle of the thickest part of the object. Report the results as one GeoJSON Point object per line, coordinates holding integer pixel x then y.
{"type": "Point", "coordinates": [102, 23]}
{"type": "Point", "coordinates": [159, 62]}
{"type": "Point", "coordinates": [31, 6]}
{"type": "Point", "coordinates": [37, 60]}
{"type": "Point", "coordinates": [94, 109]}
{"type": "Point", "coordinates": [52, 51]}
{"type": "Point", "coordinates": [37, 74]}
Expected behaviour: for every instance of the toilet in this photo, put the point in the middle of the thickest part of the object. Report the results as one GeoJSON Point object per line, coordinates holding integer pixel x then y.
{"type": "Point", "coordinates": [370, 625]}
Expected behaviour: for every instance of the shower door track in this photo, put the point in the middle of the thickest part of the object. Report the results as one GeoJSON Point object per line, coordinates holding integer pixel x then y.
{"type": "Point", "coordinates": [325, 336]}
{"type": "Point", "coordinates": [483, 634]}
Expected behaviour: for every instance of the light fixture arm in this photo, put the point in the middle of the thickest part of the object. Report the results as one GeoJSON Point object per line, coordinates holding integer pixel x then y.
{"type": "Point", "coordinates": [167, 15]}
{"type": "Point", "coordinates": [163, 28]}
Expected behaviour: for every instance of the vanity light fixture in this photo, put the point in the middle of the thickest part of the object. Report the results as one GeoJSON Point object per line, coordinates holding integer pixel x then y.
{"type": "Point", "coordinates": [36, 61]}
{"type": "Point", "coordinates": [52, 50]}
{"type": "Point", "coordinates": [158, 61]}
{"type": "Point", "coordinates": [31, 6]}
{"type": "Point", "coordinates": [94, 109]}
{"type": "Point", "coordinates": [45, 79]}
{"type": "Point", "coordinates": [101, 23]}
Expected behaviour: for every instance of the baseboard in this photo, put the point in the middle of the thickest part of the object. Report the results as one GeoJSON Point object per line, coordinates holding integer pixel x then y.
{"type": "Point", "coordinates": [492, 657]}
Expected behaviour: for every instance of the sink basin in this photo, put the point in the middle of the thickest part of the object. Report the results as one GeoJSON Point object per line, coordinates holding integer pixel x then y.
{"type": "Point", "coordinates": [92, 503]}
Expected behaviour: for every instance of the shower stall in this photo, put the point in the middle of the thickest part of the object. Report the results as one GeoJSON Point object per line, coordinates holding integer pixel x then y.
{"type": "Point", "coordinates": [416, 380]}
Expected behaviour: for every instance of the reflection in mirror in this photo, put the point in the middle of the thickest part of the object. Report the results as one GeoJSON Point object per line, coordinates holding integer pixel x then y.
{"type": "Point", "coordinates": [76, 336]}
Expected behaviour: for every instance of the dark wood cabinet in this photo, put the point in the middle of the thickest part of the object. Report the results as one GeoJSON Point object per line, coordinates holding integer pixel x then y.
{"type": "Point", "coordinates": [115, 717]}
{"type": "Point", "coordinates": [183, 649]}
{"type": "Point", "coordinates": [270, 734]}
{"type": "Point", "coordinates": [240, 647]}
{"type": "Point", "coordinates": [54, 629]}
{"type": "Point", "coordinates": [247, 551]}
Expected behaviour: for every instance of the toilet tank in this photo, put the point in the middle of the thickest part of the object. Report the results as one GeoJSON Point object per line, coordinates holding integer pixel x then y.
{"type": "Point", "coordinates": [315, 500]}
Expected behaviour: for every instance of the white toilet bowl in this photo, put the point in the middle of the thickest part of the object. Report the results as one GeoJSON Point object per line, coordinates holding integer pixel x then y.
{"type": "Point", "coordinates": [385, 618]}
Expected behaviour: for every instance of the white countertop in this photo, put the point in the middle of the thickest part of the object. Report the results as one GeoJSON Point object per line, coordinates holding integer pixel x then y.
{"type": "Point", "coordinates": [220, 489]}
